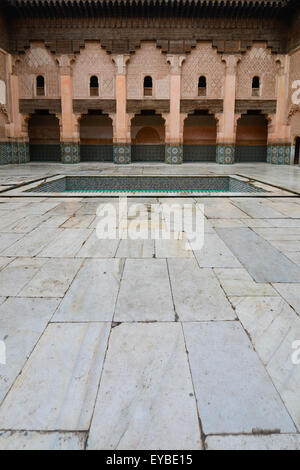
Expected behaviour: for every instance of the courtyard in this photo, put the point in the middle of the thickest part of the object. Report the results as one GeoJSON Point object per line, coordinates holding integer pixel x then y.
{"type": "Point", "coordinates": [144, 344]}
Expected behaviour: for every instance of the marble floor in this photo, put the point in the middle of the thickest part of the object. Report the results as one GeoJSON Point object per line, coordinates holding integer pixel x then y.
{"type": "Point", "coordinates": [144, 344]}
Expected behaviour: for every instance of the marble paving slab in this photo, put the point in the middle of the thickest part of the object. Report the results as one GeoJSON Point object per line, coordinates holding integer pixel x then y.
{"type": "Point", "coordinates": [15, 276]}
{"type": "Point", "coordinates": [22, 321]}
{"type": "Point", "coordinates": [143, 401]}
{"type": "Point", "coordinates": [242, 442]}
{"type": "Point", "coordinates": [24, 440]}
{"type": "Point", "coordinates": [53, 279]}
{"type": "Point", "coordinates": [93, 293]}
{"type": "Point", "coordinates": [267, 320]}
{"type": "Point", "coordinates": [145, 293]}
{"type": "Point", "coordinates": [136, 249]}
{"type": "Point", "coordinates": [257, 210]}
{"type": "Point", "coordinates": [215, 254]}
{"type": "Point", "coordinates": [66, 244]}
{"type": "Point", "coordinates": [197, 293]}
{"type": "Point", "coordinates": [96, 248]}
{"type": "Point", "coordinates": [65, 368]}
{"type": "Point", "coordinates": [286, 374]}
{"type": "Point", "coordinates": [290, 293]}
{"type": "Point", "coordinates": [7, 240]}
{"type": "Point", "coordinates": [32, 243]}
{"type": "Point", "coordinates": [234, 392]}
{"type": "Point", "coordinates": [263, 262]}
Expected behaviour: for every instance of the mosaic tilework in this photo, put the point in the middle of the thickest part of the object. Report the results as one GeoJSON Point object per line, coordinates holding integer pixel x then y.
{"type": "Point", "coordinates": [250, 153]}
{"type": "Point", "coordinates": [122, 154]}
{"type": "Point", "coordinates": [148, 153]}
{"type": "Point", "coordinates": [70, 152]}
{"type": "Point", "coordinates": [173, 154]}
{"type": "Point", "coordinates": [5, 153]}
{"type": "Point", "coordinates": [96, 153]}
{"type": "Point", "coordinates": [45, 152]}
{"type": "Point", "coordinates": [14, 152]}
{"type": "Point", "coordinates": [279, 154]}
{"type": "Point", "coordinates": [146, 183]}
{"type": "Point", "coordinates": [225, 154]}
{"type": "Point", "coordinates": [199, 153]}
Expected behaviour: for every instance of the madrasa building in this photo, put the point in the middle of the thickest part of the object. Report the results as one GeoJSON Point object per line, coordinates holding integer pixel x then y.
{"type": "Point", "coordinates": [171, 81]}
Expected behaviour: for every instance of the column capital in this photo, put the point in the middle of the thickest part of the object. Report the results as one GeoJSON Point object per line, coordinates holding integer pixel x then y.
{"type": "Point", "coordinates": [231, 61]}
{"type": "Point", "coordinates": [65, 64]}
{"type": "Point", "coordinates": [120, 61]}
{"type": "Point", "coordinates": [175, 61]}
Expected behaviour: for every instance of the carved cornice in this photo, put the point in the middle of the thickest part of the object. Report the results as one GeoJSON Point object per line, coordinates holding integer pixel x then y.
{"type": "Point", "coordinates": [81, 106]}
{"type": "Point", "coordinates": [265, 106]}
{"type": "Point", "coordinates": [30, 106]}
{"type": "Point", "coordinates": [213, 106]}
{"type": "Point", "coordinates": [159, 106]}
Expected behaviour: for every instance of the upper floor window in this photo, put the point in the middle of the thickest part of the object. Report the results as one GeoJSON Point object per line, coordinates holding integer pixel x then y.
{"type": "Point", "coordinates": [202, 86]}
{"type": "Point", "coordinates": [255, 86]}
{"type": "Point", "coordinates": [40, 86]}
{"type": "Point", "coordinates": [94, 86]}
{"type": "Point", "coordinates": [148, 86]}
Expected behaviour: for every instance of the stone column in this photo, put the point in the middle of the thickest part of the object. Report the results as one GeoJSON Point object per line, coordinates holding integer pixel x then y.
{"type": "Point", "coordinates": [279, 132]}
{"type": "Point", "coordinates": [174, 137]}
{"type": "Point", "coordinates": [226, 126]}
{"type": "Point", "coordinates": [16, 130]}
{"type": "Point", "coordinates": [69, 138]}
{"type": "Point", "coordinates": [121, 140]}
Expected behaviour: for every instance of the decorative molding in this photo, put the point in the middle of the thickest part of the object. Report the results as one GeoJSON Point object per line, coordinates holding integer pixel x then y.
{"type": "Point", "coordinates": [84, 105]}
{"type": "Point", "coordinates": [189, 106]}
{"type": "Point", "coordinates": [136, 106]}
{"type": "Point", "coordinates": [30, 106]}
{"type": "Point", "coordinates": [265, 106]}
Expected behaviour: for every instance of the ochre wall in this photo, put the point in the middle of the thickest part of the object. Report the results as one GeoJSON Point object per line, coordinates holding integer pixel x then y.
{"type": "Point", "coordinates": [252, 130]}
{"type": "Point", "coordinates": [148, 60]}
{"type": "Point", "coordinates": [199, 130]}
{"type": "Point", "coordinates": [257, 61]}
{"type": "Point", "coordinates": [203, 60]}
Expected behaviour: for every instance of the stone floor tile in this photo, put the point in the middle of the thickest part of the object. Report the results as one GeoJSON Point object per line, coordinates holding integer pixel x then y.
{"type": "Point", "coordinates": [285, 372]}
{"type": "Point", "coordinates": [290, 293]}
{"type": "Point", "coordinates": [232, 274]}
{"type": "Point", "coordinates": [136, 249]}
{"type": "Point", "coordinates": [267, 320]}
{"type": "Point", "coordinates": [93, 293]}
{"type": "Point", "coordinates": [234, 287]}
{"type": "Point", "coordinates": [173, 248]}
{"type": "Point", "coordinates": [53, 279]}
{"type": "Point", "coordinates": [22, 321]}
{"type": "Point", "coordinates": [32, 243]}
{"type": "Point", "coordinates": [253, 442]}
{"type": "Point", "coordinates": [145, 293]}
{"type": "Point", "coordinates": [234, 392]}
{"type": "Point", "coordinates": [257, 210]}
{"type": "Point", "coordinates": [66, 244]}
{"type": "Point", "coordinates": [197, 293]}
{"type": "Point", "coordinates": [24, 440]}
{"type": "Point", "coordinates": [65, 369]}
{"type": "Point", "coordinates": [7, 240]}
{"type": "Point", "coordinates": [215, 254]}
{"type": "Point", "coordinates": [15, 276]}
{"type": "Point", "coordinates": [143, 402]}
{"type": "Point", "coordinates": [97, 248]}
{"type": "Point", "coordinates": [82, 221]}
{"type": "Point", "coordinates": [262, 261]}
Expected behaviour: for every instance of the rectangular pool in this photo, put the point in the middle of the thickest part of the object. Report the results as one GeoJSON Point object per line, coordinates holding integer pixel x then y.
{"type": "Point", "coordinates": [137, 185]}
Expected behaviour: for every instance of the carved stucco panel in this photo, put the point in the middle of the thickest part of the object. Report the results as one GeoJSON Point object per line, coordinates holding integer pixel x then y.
{"type": "Point", "coordinates": [203, 60]}
{"type": "Point", "coordinates": [37, 60]}
{"type": "Point", "coordinates": [148, 60]}
{"type": "Point", "coordinates": [93, 60]}
{"type": "Point", "coordinates": [257, 61]}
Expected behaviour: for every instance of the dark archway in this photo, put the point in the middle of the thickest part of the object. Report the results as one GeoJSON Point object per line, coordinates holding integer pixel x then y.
{"type": "Point", "coordinates": [199, 137]}
{"type": "Point", "coordinates": [96, 137]}
{"type": "Point", "coordinates": [44, 137]}
{"type": "Point", "coordinates": [148, 137]}
{"type": "Point", "coordinates": [251, 138]}
{"type": "Point", "coordinates": [297, 151]}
